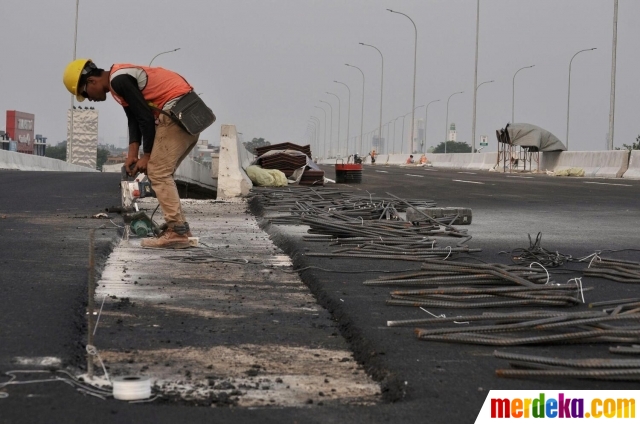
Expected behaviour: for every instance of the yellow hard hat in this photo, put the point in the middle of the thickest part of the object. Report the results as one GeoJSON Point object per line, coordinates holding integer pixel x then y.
{"type": "Point", "coordinates": [73, 73]}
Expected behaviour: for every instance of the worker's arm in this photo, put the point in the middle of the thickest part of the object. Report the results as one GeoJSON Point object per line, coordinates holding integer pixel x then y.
{"type": "Point", "coordinates": [141, 120]}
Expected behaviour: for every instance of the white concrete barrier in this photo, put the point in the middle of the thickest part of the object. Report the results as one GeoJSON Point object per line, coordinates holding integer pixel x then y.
{"type": "Point", "coordinates": [193, 172]}
{"type": "Point", "coordinates": [25, 162]}
{"type": "Point", "coordinates": [234, 159]}
{"type": "Point", "coordinates": [633, 172]}
{"type": "Point", "coordinates": [189, 171]}
{"type": "Point", "coordinates": [605, 164]}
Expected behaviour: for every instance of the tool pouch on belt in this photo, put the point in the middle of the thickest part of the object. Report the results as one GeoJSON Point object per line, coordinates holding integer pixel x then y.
{"type": "Point", "coordinates": [191, 113]}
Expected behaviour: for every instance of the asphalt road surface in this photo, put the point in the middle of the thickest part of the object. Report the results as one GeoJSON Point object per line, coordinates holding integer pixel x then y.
{"type": "Point", "coordinates": [43, 274]}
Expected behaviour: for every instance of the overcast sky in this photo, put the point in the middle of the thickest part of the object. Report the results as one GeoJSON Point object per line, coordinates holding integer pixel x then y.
{"type": "Point", "coordinates": [264, 65]}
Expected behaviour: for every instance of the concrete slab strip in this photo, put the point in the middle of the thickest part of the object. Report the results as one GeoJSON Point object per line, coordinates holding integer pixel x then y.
{"type": "Point", "coordinates": [227, 323]}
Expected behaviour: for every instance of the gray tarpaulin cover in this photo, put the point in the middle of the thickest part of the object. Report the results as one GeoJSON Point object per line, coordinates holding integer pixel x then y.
{"type": "Point", "coordinates": [527, 135]}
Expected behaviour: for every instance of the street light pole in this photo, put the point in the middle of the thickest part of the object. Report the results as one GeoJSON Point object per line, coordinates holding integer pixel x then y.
{"type": "Point", "coordinates": [330, 126]}
{"type": "Point", "coordinates": [425, 125]}
{"type": "Point", "coordinates": [415, 57]}
{"type": "Point", "coordinates": [394, 134]}
{"type": "Point", "coordinates": [70, 141]}
{"type": "Point", "coordinates": [168, 51]}
{"type": "Point", "coordinates": [362, 112]}
{"type": "Point", "coordinates": [346, 150]}
{"type": "Point", "coordinates": [338, 152]}
{"type": "Point", "coordinates": [381, 87]}
{"type": "Point", "coordinates": [513, 93]}
{"type": "Point", "coordinates": [317, 132]}
{"type": "Point", "coordinates": [569, 90]}
{"type": "Point", "coordinates": [402, 140]}
{"type": "Point", "coordinates": [325, 130]}
{"type": "Point", "coordinates": [612, 96]}
{"type": "Point", "coordinates": [475, 80]}
{"type": "Point", "coordinates": [446, 124]}
{"type": "Point", "coordinates": [473, 148]}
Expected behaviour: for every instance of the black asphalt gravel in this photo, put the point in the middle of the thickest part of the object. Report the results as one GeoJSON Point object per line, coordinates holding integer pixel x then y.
{"type": "Point", "coordinates": [43, 275]}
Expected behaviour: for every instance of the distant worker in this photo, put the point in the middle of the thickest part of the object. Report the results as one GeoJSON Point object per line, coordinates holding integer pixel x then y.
{"type": "Point", "coordinates": [423, 159]}
{"type": "Point", "coordinates": [373, 156]}
{"type": "Point", "coordinates": [149, 96]}
{"type": "Point", "coordinates": [410, 160]}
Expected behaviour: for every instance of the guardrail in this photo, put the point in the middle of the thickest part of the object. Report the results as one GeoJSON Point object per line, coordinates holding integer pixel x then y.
{"type": "Point", "coordinates": [633, 172]}
{"type": "Point", "coordinates": [606, 164]}
{"type": "Point", "coordinates": [26, 162]}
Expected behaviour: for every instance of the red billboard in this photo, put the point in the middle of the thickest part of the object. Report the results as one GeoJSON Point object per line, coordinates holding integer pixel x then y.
{"type": "Point", "coordinates": [20, 128]}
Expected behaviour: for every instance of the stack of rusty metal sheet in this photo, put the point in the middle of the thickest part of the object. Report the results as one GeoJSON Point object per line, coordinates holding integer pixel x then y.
{"type": "Point", "coordinates": [284, 146]}
{"type": "Point", "coordinates": [312, 177]}
{"type": "Point", "coordinates": [288, 163]}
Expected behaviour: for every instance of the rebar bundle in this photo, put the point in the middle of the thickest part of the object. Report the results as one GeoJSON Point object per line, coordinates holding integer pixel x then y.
{"type": "Point", "coordinates": [451, 284]}
{"type": "Point", "coordinates": [614, 269]}
{"type": "Point", "coordinates": [538, 328]}
{"type": "Point", "coordinates": [363, 227]}
{"type": "Point", "coordinates": [591, 368]}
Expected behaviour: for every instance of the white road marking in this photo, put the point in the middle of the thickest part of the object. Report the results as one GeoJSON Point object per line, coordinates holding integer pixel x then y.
{"type": "Point", "coordinates": [470, 182]}
{"type": "Point", "coordinates": [516, 176]}
{"type": "Point", "coordinates": [42, 361]}
{"type": "Point", "coordinates": [621, 185]}
{"type": "Point", "coordinates": [414, 175]}
{"type": "Point", "coordinates": [382, 171]}
{"type": "Point", "coordinates": [471, 173]}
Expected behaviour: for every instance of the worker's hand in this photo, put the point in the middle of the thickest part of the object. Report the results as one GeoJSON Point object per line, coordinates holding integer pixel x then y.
{"type": "Point", "coordinates": [141, 164]}
{"type": "Point", "coordinates": [129, 165]}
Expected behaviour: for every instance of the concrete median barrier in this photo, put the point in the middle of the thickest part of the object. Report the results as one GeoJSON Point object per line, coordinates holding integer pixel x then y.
{"type": "Point", "coordinates": [633, 172]}
{"type": "Point", "coordinates": [234, 159]}
{"type": "Point", "coordinates": [605, 164]}
{"type": "Point", "coordinates": [25, 162]}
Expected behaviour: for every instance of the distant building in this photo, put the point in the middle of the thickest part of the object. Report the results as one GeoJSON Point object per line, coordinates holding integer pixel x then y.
{"type": "Point", "coordinates": [452, 132]}
{"type": "Point", "coordinates": [82, 147]}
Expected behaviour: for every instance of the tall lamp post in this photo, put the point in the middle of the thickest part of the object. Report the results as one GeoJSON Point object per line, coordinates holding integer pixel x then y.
{"type": "Point", "coordinates": [70, 141]}
{"type": "Point", "coordinates": [475, 95]}
{"type": "Point", "coordinates": [312, 141]}
{"type": "Point", "coordinates": [325, 130]}
{"type": "Point", "coordinates": [346, 150]}
{"type": "Point", "coordinates": [402, 140]}
{"type": "Point", "coordinates": [317, 131]}
{"type": "Point", "coordinates": [394, 134]}
{"type": "Point", "coordinates": [381, 87]}
{"type": "Point", "coordinates": [415, 56]}
{"type": "Point", "coordinates": [513, 93]}
{"type": "Point", "coordinates": [475, 80]}
{"type": "Point", "coordinates": [330, 125]}
{"type": "Point", "coordinates": [612, 95]}
{"type": "Point", "coordinates": [338, 151]}
{"type": "Point", "coordinates": [446, 124]}
{"type": "Point", "coordinates": [569, 91]}
{"type": "Point", "coordinates": [425, 125]}
{"type": "Point", "coordinates": [168, 51]}
{"type": "Point", "coordinates": [362, 112]}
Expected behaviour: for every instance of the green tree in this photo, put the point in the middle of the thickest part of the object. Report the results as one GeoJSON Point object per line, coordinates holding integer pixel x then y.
{"type": "Point", "coordinates": [59, 151]}
{"type": "Point", "coordinates": [453, 147]}
{"type": "Point", "coordinates": [256, 142]}
{"type": "Point", "coordinates": [103, 155]}
{"type": "Point", "coordinates": [633, 146]}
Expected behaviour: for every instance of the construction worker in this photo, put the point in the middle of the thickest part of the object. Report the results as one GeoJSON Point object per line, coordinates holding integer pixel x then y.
{"type": "Point", "coordinates": [143, 92]}
{"type": "Point", "coordinates": [423, 159]}
{"type": "Point", "coordinates": [373, 156]}
{"type": "Point", "coordinates": [410, 160]}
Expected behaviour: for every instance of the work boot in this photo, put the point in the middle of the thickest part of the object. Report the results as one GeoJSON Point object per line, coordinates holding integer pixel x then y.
{"type": "Point", "coordinates": [169, 239]}
{"type": "Point", "coordinates": [164, 227]}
